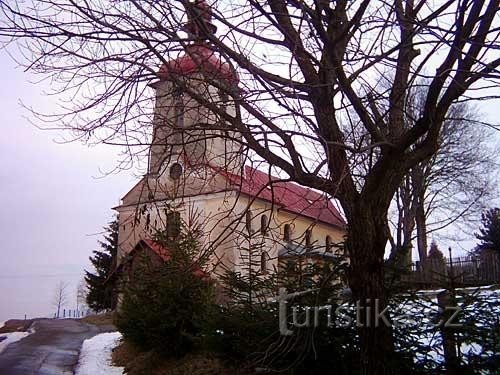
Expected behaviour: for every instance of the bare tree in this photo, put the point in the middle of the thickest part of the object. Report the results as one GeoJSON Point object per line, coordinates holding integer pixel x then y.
{"type": "Point", "coordinates": [305, 68]}
{"type": "Point", "coordinates": [60, 297]}
{"type": "Point", "coordinates": [81, 295]}
{"type": "Point", "coordinates": [450, 188]}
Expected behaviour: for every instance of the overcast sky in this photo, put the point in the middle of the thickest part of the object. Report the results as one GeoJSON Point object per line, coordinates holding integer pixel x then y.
{"type": "Point", "coordinates": [53, 202]}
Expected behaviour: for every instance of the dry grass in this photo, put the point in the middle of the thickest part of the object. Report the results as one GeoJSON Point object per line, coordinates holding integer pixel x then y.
{"type": "Point", "coordinates": [16, 325]}
{"type": "Point", "coordinates": [142, 363]}
{"type": "Point", "coordinates": [105, 319]}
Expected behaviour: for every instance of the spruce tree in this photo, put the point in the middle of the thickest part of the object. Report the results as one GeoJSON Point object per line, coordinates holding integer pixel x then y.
{"type": "Point", "coordinates": [489, 235]}
{"type": "Point", "coordinates": [102, 287]}
{"type": "Point", "coordinates": [165, 306]}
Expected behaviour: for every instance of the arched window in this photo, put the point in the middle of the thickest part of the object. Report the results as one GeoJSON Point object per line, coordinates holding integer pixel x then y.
{"type": "Point", "coordinates": [328, 244]}
{"type": "Point", "coordinates": [223, 98]}
{"type": "Point", "coordinates": [264, 257]}
{"type": "Point", "coordinates": [263, 224]}
{"type": "Point", "coordinates": [178, 99]}
{"type": "Point", "coordinates": [308, 238]}
{"type": "Point", "coordinates": [248, 217]}
{"type": "Point", "coordinates": [286, 232]}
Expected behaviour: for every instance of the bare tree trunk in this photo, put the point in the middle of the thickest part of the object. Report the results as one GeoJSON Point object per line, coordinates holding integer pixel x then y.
{"type": "Point", "coordinates": [366, 245]}
{"type": "Point", "coordinates": [421, 225]}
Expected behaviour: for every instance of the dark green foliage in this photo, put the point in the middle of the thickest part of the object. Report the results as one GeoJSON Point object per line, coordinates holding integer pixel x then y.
{"type": "Point", "coordinates": [165, 306]}
{"type": "Point", "coordinates": [248, 324]}
{"type": "Point", "coordinates": [489, 234]}
{"type": "Point", "coordinates": [102, 289]}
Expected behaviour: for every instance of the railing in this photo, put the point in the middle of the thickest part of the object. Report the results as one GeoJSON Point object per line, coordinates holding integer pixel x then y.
{"type": "Point", "coordinates": [467, 270]}
{"type": "Point", "coordinates": [73, 313]}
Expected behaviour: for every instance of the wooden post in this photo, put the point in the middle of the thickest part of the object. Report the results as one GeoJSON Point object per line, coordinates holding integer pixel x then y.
{"type": "Point", "coordinates": [445, 301]}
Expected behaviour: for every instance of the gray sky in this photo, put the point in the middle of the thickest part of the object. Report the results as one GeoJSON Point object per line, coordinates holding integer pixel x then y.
{"type": "Point", "coordinates": [53, 202]}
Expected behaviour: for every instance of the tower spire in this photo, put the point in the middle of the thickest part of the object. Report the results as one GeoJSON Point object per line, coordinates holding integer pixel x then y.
{"type": "Point", "coordinates": [199, 25]}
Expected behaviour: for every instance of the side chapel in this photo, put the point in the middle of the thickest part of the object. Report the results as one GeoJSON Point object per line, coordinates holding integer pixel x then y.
{"type": "Point", "coordinates": [196, 171]}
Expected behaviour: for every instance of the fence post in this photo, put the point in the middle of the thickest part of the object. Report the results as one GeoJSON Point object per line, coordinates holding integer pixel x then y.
{"type": "Point", "coordinates": [446, 300]}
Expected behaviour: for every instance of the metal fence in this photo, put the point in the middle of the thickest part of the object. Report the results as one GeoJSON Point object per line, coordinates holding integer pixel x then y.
{"type": "Point", "coordinates": [470, 270]}
{"type": "Point", "coordinates": [73, 313]}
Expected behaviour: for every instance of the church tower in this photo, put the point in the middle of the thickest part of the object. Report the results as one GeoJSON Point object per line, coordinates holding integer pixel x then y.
{"type": "Point", "coordinates": [191, 142]}
{"type": "Point", "coordinates": [194, 152]}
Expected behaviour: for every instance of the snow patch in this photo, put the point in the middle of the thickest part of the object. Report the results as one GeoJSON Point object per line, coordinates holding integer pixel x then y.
{"type": "Point", "coordinates": [95, 356]}
{"type": "Point", "coordinates": [11, 337]}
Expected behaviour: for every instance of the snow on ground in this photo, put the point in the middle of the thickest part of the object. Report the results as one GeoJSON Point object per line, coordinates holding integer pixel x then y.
{"type": "Point", "coordinates": [11, 338]}
{"type": "Point", "coordinates": [95, 356]}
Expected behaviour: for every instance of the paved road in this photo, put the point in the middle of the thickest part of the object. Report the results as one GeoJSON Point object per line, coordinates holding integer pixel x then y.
{"type": "Point", "coordinates": [53, 348]}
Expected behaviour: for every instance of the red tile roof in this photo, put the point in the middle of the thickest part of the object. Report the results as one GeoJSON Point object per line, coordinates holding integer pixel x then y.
{"type": "Point", "coordinates": [288, 195]}
{"type": "Point", "coordinates": [165, 254]}
{"type": "Point", "coordinates": [158, 249]}
{"type": "Point", "coordinates": [199, 57]}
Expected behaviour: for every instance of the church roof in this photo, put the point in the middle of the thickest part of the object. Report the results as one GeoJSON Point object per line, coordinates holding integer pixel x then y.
{"type": "Point", "coordinates": [289, 196]}
{"type": "Point", "coordinates": [158, 249]}
{"type": "Point", "coordinates": [199, 58]}
{"type": "Point", "coordinates": [165, 254]}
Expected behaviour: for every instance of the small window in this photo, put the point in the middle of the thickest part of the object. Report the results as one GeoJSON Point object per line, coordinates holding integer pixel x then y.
{"type": "Point", "coordinates": [328, 244]}
{"type": "Point", "coordinates": [175, 171]}
{"type": "Point", "coordinates": [263, 262]}
{"type": "Point", "coordinates": [173, 225]}
{"type": "Point", "coordinates": [264, 223]}
{"type": "Point", "coordinates": [224, 98]}
{"type": "Point", "coordinates": [286, 232]}
{"type": "Point", "coordinates": [248, 217]}
{"type": "Point", "coordinates": [308, 238]}
{"type": "Point", "coordinates": [178, 103]}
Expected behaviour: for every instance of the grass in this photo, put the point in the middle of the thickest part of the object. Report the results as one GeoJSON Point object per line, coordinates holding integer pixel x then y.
{"type": "Point", "coordinates": [105, 319]}
{"type": "Point", "coordinates": [137, 362]}
{"type": "Point", "coordinates": [16, 325]}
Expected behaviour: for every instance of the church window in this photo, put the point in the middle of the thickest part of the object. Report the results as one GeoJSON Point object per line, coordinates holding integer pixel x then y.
{"type": "Point", "coordinates": [308, 238]}
{"type": "Point", "coordinates": [175, 171]}
{"type": "Point", "coordinates": [328, 244]}
{"type": "Point", "coordinates": [286, 232]}
{"type": "Point", "coordinates": [248, 217]}
{"type": "Point", "coordinates": [223, 98]}
{"type": "Point", "coordinates": [264, 223]}
{"type": "Point", "coordinates": [173, 224]}
{"type": "Point", "coordinates": [178, 103]}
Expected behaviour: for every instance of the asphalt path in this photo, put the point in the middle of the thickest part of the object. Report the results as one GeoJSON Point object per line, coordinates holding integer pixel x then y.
{"type": "Point", "coordinates": [53, 348]}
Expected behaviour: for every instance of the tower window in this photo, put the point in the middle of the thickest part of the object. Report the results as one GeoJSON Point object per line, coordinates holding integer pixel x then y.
{"type": "Point", "coordinates": [264, 223]}
{"type": "Point", "coordinates": [178, 103]}
{"type": "Point", "coordinates": [175, 171]}
{"type": "Point", "coordinates": [223, 98]}
{"type": "Point", "coordinates": [328, 244]}
{"type": "Point", "coordinates": [286, 232]}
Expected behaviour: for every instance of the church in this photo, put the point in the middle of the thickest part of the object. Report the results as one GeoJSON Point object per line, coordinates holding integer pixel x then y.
{"type": "Point", "coordinates": [200, 172]}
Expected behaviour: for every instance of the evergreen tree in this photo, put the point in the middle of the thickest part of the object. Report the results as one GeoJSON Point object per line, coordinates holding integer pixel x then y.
{"type": "Point", "coordinates": [489, 235]}
{"type": "Point", "coordinates": [165, 306]}
{"type": "Point", "coordinates": [102, 289]}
